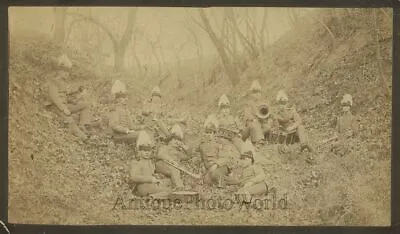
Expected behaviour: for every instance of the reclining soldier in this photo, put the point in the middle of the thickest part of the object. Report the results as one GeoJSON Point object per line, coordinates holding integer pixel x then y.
{"type": "Point", "coordinates": [142, 171]}
{"type": "Point", "coordinates": [346, 127]}
{"type": "Point", "coordinates": [121, 122]}
{"type": "Point", "coordinates": [228, 125]}
{"type": "Point", "coordinates": [60, 94]}
{"type": "Point", "coordinates": [289, 120]}
{"type": "Point", "coordinates": [209, 147]}
{"type": "Point", "coordinates": [248, 175]}
{"type": "Point", "coordinates": [259, 121]}
{"type": "Point", "coordinates": [175, 151]}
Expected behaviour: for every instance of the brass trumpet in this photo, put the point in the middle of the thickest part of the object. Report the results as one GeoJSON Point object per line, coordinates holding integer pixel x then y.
{"type": "Point", "coordinates": [263, 111]}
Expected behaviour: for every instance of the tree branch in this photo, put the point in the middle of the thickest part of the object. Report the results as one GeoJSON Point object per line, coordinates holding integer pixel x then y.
{"type": "Point", "coordinates": [99, 24]}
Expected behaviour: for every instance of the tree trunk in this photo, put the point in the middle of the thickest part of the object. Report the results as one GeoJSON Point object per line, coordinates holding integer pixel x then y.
{"type": "Point", "coordinates": [59, 25]}
{"type": "Point", "coordinates": [233, 76]}
{"type": "Point", "coordinates": [120, 49]}
{"type": "Point", "coordinates": [119, 58]}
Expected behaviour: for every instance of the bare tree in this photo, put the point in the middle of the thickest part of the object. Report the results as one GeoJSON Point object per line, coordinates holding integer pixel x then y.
{"type": "Point", "coordinates": [178, 64]}
{"type": "Point", "coordinates": [120, 45]}
{"type": "Point", "coordinates": [229, 69]}
{"type": "Point", "coordinates": [249, 47]}
{"type": "Point", "coordinates": [59, 24]}
{"type": "Point", "coordinates": [385, 84]}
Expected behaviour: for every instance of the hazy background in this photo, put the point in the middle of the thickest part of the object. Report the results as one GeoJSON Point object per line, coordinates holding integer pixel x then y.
{"type": "Point", "coordinates": [167, 27]}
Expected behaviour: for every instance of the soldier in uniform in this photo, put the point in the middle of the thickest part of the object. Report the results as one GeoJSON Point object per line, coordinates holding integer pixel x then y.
{"type": "Point", "coordinates": [346, 126]}
{"type": "Point", "coordinates": [228, 125]}
{"type": "Point", "coordinates": [175, 151]}
{"type": "Point", "coordinates": [258, 123]}
{"type": "Point", "coordinates": [60, 94]}
{"type": "Point", "coordinates": [153, 113]}
{"type": "Point", "coordinates": [209, 148]}
{"type": "Point", "coordinates": [289, 120]}
{"type": "Point", "coordinates": [142, 170]}
{"type": "Point", "coordinates": [248, 175]}
{"type": "Point", "coordinates": [120, 121]}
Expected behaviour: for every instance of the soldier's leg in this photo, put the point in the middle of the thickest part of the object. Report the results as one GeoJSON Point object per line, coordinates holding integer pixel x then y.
{"type": "Point", "coordinates": [170, 171]}
{"type": "Point", "coordinates": [256, 132]}
{"type": "Point", "coordinates": [218, 173]}
{"type": "Point", "coordinates": [246, 132]}
{"type": "Point", "coordinates": [75, 108]}
{"type": "Point", "coordinates": [73, 127]}
{"type": "Point", "coordinates": [303, 138]}
{"type": "Point", "coordinates": [301, 132]}
{"type": "Point", "coordinates": [256, 189]}
{"type": "Point", "coordinates": [147, 189]}
{"type": "Point", "coordinates": [237, 142]}
{"type": "Point", "coordinates": [84, 113]}
{"type": "Point", "coordinates": [126, 138]}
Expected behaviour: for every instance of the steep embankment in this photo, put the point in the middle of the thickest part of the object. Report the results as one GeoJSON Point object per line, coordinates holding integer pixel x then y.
{"type": "Point", "coordinates": [55, 179]}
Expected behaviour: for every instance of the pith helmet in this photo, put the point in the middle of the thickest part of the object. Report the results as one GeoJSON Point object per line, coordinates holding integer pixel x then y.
{"type": "Point", "coordinates": [64, 62]}
{"type": "Point", "coordinates": [211, 123]}
{"type": "Point", "coordinates": [347, 100]}
{"type": "Point", "coordinates": [177, 131]}
{"type": "Point", "coordinates": [223, 101]}
{"type": "Point", "coordinates": [144, 141]}
{"type": "Point", "coordinates": [281, 96]}
{"type": "Point", "coordinates": [255, 86]}
{"type": "Point", "coordinates": [118, 88]}
{"type": "Point", "coordinates": [247, 149]}
{"type": "Point", "coordinates": [156, 91]}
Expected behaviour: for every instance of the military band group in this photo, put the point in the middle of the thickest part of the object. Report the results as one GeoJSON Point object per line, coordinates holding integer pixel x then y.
{"type": "Point", "coordinates": [159, 141]}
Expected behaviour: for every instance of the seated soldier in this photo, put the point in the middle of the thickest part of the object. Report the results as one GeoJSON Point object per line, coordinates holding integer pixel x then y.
{"type": "Point", "coordinates": [248, 175]}
{"type": "Point", "coordinates": [259, 120]}
{"type": "Point", "coordinates": [153, 115]}
{"type": "Point", "coordinates": [228, 125]}
{"type": "Point", "coordinates": [346, 127]}
{"type": "Point", "coordinates": [209, 148]}
{"type": "Point", "coordinates": [121, 122]}
{"type": "Point", "coordinates": [142, 171]}
{"type": "Point", "coordinates": [289, 120]}
{"type": "Point", "coordinates": [60, 94]}
{"type": "Point", "coordinates": [175, 151]}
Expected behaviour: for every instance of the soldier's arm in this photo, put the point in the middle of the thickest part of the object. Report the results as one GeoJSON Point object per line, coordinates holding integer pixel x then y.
{"type": "Point", "coordinates": [71, 89]}
{"type": "Point", "coordinates": [356, 125]}
{"type": "Point", "coordinates": [337, 126]}
{"type": "Point", "coordinates": [259, 175]}
{"type": "Point", "coordinates": [136, 175]}
{"type": "Point", "coordinates": [231, 180]}
{"type": "Point", "coordinates": [55, 97]}
{"type": "Point", "coordinates": [188, 152]}
{"type": "Point", "coordinates": [163, 128]}
{"type": "Point", "coordinates": [114, 123]}
{"type": "Point", "coordinates": [163, 153]}
{"type": "Point", "coordinates": [297, 119]}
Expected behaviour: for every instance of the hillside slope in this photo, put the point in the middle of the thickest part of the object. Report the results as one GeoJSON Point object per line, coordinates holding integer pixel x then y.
{"type": "Point", "coordinates": [52, 175]}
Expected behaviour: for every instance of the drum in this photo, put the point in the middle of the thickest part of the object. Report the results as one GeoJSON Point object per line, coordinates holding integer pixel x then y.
{"type": "Point", "coordinates": [226, 133]}
{"type": "Point", "coordinates": [279, 137]}
{"type": "Point", "coordinates": [185, 196]}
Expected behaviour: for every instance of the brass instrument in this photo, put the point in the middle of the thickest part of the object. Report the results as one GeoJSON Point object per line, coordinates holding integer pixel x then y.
{"type": "Point", "coordinates": [263, 111]}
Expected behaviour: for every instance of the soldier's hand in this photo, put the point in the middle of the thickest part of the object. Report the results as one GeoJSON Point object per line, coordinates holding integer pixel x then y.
{"type": "Point", "coordinates": [154, 180]}
{"type": "Point", "coordinates": [248, 184]}
{"type": "Point", "coordinates": [290, 128]}
{"type": "Point", "coordinates": [67, 112]}
{"type": "Point", "coordinates": [130, 131]}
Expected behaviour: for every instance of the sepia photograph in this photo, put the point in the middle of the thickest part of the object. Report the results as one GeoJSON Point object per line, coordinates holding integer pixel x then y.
{"type": "Point", "coordinates": [200, 116]}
